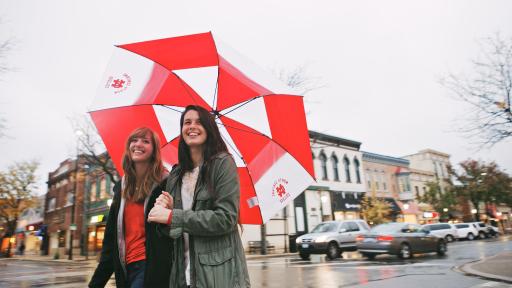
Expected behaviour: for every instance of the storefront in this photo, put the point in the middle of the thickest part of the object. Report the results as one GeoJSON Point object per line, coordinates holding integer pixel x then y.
{"type": "Point", "coordinates": [96, 233]}
{"type": "Point", "coordinates": [346, 205]}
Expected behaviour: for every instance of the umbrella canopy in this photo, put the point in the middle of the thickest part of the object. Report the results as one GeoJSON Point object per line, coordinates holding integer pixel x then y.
{"type": "Point", "coordinates": [263, 124]}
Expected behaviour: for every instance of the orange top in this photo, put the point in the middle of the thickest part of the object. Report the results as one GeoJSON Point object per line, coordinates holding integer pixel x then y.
{"type": "Point", "coordinates": [134, 232]}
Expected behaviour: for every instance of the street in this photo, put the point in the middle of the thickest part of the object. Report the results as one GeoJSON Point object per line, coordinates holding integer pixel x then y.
{"type": "Point", "coordinates": [385, 271]}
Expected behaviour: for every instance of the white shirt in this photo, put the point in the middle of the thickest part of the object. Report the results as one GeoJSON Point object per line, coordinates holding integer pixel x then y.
{"type": "Point", "coordinates": [187, 196]}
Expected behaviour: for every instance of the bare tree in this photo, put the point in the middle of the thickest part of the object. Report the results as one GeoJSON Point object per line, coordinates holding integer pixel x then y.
{"type": "Point", "coordinates": [5, 47]}
{"type": "Point", "coordinates": [488, 91]}
{"type": "Point", "coordinates": [91, 147]}
{"type": "Point", "coordinates": [298, 79]}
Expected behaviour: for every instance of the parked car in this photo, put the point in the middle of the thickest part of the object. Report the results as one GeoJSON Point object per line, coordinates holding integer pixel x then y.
{"type": "Point", "coordinates": [466, 231]}
{"type": "Point", "coordinates": [492, 231]}
{"type": "Point", "coordinates": [481, 228]}
{"type": "Point", "coordinates": [401, 239]}
{"type": "Point", "coordinates": [443, 230]}
{"type": "Point", "coordinates": [331, 238]}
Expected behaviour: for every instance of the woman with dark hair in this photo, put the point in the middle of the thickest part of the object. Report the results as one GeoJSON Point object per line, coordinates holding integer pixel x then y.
{"type": "Point", "coordinates": [201, 211]}
{"type": "Point", "coordinates": [132, 248]}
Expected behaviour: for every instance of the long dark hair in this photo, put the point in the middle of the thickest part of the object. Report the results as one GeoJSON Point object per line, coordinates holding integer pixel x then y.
{"type": "Point", "coordinates": [214, 143]}
{"type": "Point", "coordinates": [132, 191]}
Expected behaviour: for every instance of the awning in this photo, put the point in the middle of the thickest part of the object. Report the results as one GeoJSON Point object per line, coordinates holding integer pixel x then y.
{"type": "Point", "coordinates": [392, 204]}
{"type": "Point", "coordinates": [412, 208]}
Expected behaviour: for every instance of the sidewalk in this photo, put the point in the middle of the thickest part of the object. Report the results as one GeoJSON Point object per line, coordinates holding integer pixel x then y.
{"type": "Point", "coordinates": [64, 259]}
{"type": "Point", "coordinates": [497, 267]}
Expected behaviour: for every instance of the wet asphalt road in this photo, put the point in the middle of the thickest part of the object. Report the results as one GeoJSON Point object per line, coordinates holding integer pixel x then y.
{"type": "Point", "coordinates": [427, 270]}
{"type": "Point", "coordinates": [385, 271]}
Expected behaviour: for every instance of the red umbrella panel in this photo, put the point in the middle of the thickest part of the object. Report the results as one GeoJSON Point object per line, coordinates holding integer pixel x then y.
{"type": "Point", "coordinates": [262, 122]}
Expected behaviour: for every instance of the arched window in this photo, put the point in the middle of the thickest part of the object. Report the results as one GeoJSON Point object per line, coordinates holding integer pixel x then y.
{"type": "Point", "coordinates": [334, 160]}
{"type": "Point", "coordinates": [357, 166]}
{"type": "Point", "coordinates": [346, 163]}
{"type": "Point", "coordinates": [323, 165]}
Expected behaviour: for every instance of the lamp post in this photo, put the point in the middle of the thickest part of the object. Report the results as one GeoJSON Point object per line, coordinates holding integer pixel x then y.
{"type": "Point", "coordinates": [72, 226]}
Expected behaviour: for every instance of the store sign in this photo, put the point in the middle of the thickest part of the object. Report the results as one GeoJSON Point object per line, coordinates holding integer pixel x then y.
{"type": "Point", "coordinates": [430, 214]}
{"type": "Point", "coordinates": [97, 218]}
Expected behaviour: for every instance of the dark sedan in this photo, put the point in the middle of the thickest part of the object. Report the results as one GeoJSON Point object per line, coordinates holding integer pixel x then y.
{"type": "Point", "coordinates": [401, 239]}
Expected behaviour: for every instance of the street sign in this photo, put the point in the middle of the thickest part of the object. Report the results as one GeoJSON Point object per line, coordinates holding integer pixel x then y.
{"type": "Point", "coordinates": [72, 227]}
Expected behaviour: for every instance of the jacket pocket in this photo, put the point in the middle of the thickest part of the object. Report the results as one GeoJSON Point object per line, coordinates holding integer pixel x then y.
{"type": "Point", "coordinates": [216, 269]}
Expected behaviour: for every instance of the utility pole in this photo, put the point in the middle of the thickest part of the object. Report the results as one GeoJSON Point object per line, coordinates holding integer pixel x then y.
{"type": "Point", "coordinates": [72, 226]}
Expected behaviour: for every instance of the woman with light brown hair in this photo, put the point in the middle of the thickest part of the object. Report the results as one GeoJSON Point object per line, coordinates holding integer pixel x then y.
{"type": "Point", "coordinates": [132, 249]}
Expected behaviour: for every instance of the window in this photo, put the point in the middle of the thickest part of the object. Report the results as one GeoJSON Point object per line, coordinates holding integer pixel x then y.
{"type": "Point", "coordinates": [357, 167]}
{"type": "Point", "coordinates": [344, 226]}
{"type": "Point", "coordinates": [51, 204]}
{"type": "Point", "coordinates": [323, 164]}
{"type": "Point", "coordinates": [353, 226]}
{"type": "Point", "coordinates": [377, 176]}
{"type": "Point", "coordinates": [417, 190]}
{"type": "Point", "coordinates": [103, 189]}
{"type": "Point", "coordinates": [384, 186]}
{"type": "Point", "coordinates": [369, 178]}
{"type": "Point", "coordinates": [334, 160]}
{"type": "Point", "coordinates": [69, 198]}
{"type": "Point", "coordinates": [346, 163]}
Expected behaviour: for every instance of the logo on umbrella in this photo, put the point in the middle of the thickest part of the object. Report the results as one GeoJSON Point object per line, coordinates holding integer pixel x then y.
{"type": "Point", "coordinates": [119, 84]}
{"type": "Point", "coordinates": [279, 189]}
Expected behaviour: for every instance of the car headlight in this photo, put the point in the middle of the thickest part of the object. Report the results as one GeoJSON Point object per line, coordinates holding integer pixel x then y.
{"type": "Point", "coordinates": [320, 239]}
{"type": "Point", "coordinates": [298, 240]}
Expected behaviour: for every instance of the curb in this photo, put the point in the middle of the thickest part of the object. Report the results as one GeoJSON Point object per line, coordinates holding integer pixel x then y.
{"type": "Point", "coordinates": [257, 256]}
{"type": "Point", "coordinates": [467, 268]}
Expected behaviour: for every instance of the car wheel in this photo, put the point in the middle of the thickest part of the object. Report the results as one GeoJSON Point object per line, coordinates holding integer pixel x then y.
{"type": "Point", "coordinates": [481, 235]}
{"type": "Point", "coordinates": [370, 256]}
{"type": "Point", "coordinates": [304, 255]}
{"type": "Point", "coordinates": [332, 250]}
{"type": "Point", "coordinates": [470, 236]}
{"type": "Point", "coordinates": [405, 251]}
{"type": "Point", "coordinates": [449, 238]}
{"type": "Point", "coordinates": [441, 248]}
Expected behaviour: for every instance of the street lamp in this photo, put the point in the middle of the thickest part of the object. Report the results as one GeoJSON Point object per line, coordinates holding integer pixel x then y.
{"type": "Point", "coordinates": [72, 226]}
{"type": "Point", "coordinates": [445, 209]}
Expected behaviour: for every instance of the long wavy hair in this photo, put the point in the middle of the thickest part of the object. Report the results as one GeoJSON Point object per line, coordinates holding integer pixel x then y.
{"type": "Point", "coordinates": [137, 192]}
{"type": "Point", "coordinates": [214, 143]}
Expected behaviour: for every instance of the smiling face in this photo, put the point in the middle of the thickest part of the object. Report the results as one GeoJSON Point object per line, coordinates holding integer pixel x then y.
{"type": "Point", "coordinates": [141, 148]}
{"type": "Point", "coordinates": [192, 131]}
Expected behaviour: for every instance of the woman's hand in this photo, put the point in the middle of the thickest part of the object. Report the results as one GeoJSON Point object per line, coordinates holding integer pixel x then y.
{"type": "Point", "coordinates": [159, 214]}
{"type": "Point", "coordinates": [165, 200]}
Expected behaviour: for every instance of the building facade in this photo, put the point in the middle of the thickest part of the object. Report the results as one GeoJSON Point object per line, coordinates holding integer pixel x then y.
{"type": "Point", "coordinates": [388, 178]}
{"type": "Point", "coordinates": [63, 207]}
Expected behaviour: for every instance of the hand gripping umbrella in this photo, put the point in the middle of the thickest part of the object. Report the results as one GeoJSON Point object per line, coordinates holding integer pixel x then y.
{"type": "Point", "coordinates": [262, 122]}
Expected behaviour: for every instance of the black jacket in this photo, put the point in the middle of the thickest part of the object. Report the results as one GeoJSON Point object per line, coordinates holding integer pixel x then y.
{"type": "Point", "coordinates": [158, 250]}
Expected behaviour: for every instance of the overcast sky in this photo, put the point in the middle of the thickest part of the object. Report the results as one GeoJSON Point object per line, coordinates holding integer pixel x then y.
{"type": "Point", "coordinates": [380, 61]}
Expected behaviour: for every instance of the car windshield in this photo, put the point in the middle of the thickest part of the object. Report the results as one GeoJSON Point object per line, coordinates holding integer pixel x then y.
{"type": "Point", "coordinates": [387, 228]}
{"type": "Point", "coordinates": [324, 227]}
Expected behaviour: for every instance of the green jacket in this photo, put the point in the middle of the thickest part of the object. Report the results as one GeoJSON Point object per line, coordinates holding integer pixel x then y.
{"type": "Point", "coordinates": [217, 256]}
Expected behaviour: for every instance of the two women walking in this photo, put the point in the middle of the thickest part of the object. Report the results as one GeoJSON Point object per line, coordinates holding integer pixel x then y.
{"type": "Point", "coordinates": [191, 233]}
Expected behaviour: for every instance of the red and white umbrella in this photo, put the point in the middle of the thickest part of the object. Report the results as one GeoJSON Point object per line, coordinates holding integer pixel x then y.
{"type": "Point", "coordinates": [264, 125]}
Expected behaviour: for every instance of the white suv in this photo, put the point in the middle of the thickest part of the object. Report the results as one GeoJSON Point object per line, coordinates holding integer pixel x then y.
{"type": "Point", "coordinates": [443, 230]}
{"type": "Point", "coordinates": [466, 230]}
{"type": "Point", "coordinates": [481, 228]}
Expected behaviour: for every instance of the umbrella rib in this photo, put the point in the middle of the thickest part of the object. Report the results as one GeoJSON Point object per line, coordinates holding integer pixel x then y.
{"type": "Point", "coordinates": [240, 105]}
